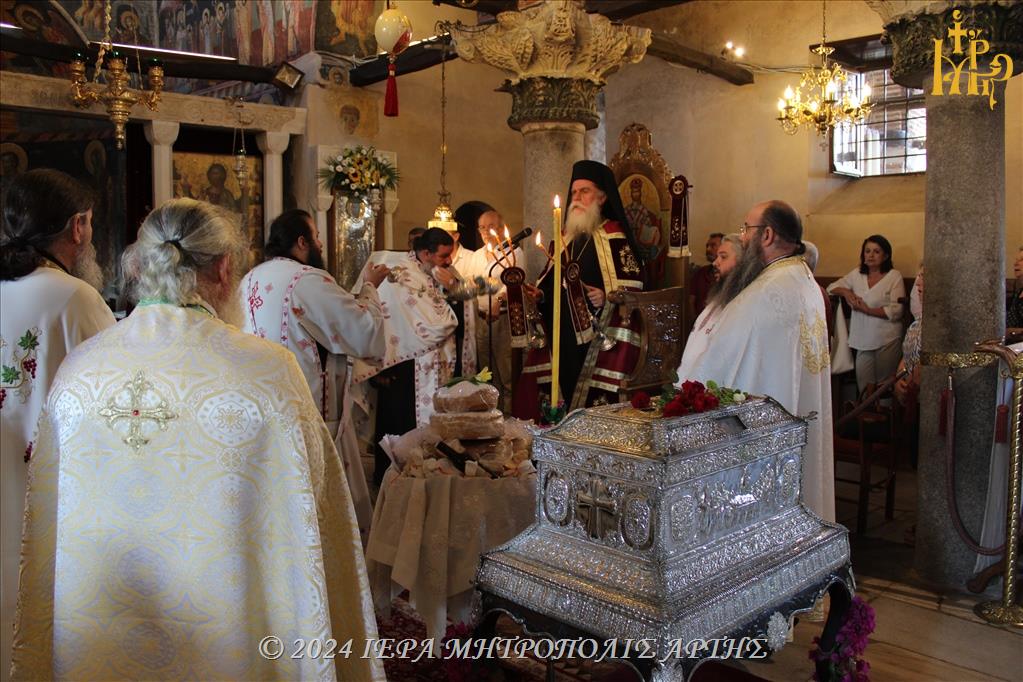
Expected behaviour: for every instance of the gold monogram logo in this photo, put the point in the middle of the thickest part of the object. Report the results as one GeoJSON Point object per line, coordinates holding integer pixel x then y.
{"type": "Point", "coordinates": [977, 83]}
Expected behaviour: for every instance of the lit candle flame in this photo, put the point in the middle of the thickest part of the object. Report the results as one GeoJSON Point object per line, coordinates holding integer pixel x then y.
{"type": "Point", "coordinates": [538, 241]}
{"type": "Point", "coordinates": [557, 201]}
{"type": "Point", "coordinates": [788, 92]}
{"type": "Point", "coordinates": [507, 235]}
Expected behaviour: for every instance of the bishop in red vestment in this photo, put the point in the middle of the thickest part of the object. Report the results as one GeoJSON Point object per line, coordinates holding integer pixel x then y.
{"type": "Point", "coordinates": [600, 256]}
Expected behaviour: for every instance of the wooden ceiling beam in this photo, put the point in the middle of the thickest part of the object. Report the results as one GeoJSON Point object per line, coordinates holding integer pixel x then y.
{"type": "Point", "coordinates": [671, 50]}
{"type": "Point", "coordinates": [616, 10]}
{"type": "Point", "coordinates": [177, 66]}
{"type": "Point", "coordinates": [417, 57]}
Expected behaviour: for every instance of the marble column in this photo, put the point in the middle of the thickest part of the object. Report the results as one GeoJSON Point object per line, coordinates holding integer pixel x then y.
{"type": "Point", "coordinates": [273, 145]}
{"type": "Point", "coordinates": [161, 135]}
{"type": "Point", "coordinates": [964, 256]}
{"type": "Point", "coordinates": [320, 204]}
{"type": "Point", "coordinates": [549, 150]}
{"type": "Point", "coordinates": [557, 58]}
{"type": "Point", "coordinates": [596, 139]}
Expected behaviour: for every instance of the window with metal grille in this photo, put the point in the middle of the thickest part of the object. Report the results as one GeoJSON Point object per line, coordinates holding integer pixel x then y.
{"type": "Point", "coordinates": [892, 140]}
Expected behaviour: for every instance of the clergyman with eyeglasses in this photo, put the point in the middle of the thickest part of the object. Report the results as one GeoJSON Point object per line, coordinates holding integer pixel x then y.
{"type": "Point", "coordinates": [770, 338]}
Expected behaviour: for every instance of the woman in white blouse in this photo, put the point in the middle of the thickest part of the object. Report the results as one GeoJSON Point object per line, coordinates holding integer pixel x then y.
{"type": "Point", "coordinates": [873, 292]}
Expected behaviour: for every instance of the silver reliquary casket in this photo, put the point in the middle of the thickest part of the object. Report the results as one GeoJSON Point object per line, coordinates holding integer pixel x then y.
{"type": "Point", "coordinates": [668, 530]}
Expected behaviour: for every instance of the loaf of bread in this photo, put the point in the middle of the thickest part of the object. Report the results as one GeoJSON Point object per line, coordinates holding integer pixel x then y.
{"type": "Point", "coordinates": [466, 396]}
{"type": "Point", "coordinates": [468, 425]}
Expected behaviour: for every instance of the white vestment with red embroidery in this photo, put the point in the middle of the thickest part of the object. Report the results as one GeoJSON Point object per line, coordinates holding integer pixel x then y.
{"type": "Point", "coordinates": [46, 313]}
{"type": "Point", "coordinates": [303, 308]}
{"type": "Point", "coordinates": [420, 326]}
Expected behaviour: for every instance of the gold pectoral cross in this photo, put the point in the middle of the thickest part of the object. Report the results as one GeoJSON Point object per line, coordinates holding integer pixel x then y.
{"type": "Point", "coordinates": [596, 506]}
{"type": "Point", "coordinates": [137, 410]}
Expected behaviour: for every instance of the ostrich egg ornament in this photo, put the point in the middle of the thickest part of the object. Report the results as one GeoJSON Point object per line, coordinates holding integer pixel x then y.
{"type": "Point", "coordinates": [393, 32]}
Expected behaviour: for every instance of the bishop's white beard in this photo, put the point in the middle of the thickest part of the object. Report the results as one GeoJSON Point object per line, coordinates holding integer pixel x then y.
{"type": "Point", "coordinates": [87, 269]}
{"type": "Point", "coordinates": [584, 222]}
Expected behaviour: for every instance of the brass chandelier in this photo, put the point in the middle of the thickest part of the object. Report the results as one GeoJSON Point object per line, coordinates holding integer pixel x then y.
{"type": "Point", "coordinates": [114, 93]}
{"type": "Point", "coordinates": [822, 99]}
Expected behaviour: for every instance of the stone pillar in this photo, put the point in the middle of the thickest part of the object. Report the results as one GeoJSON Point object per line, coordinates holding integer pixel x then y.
{"type": "Point", "coordinates": [964, 256]}
{"type": "Point", "coordinates": [549, 150]}
{"type": "Point", "coordinates": [557, 58]}
{"type": "Point", "coordinates": [161, 135]}
{"type": "Point", "coordinates": [596, 139]}
{"type": "Point", "coordinates": [390, 206]}
{"type": "Point", "coordinates": [321, 204]}
{"type": "Point", "coordinates": [273, 145]}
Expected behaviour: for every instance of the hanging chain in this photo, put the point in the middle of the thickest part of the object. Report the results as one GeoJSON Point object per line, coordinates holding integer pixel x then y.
{"type": "Point", "coordinates": [104, 45]}
{"type": "Point", "coordinates": [824, 22]}
{"type": "Point", "coordinates": [138, 55]}
{"type": "Point", "coordinates": [443, 119]}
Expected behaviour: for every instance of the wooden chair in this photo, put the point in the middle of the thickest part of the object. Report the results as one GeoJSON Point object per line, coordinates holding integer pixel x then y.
{"type": "Point", "coordinates": [661, 340]}
{"type": "Point", "coordinates": [866, 434]}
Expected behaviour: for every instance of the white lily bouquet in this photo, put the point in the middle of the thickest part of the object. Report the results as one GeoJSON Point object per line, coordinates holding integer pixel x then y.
{"type": "Point", "coordinates": [356, 171]}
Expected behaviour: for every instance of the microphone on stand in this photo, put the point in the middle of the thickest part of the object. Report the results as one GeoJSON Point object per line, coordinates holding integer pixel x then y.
{"type": "Point", "coordinates": [520, 236]}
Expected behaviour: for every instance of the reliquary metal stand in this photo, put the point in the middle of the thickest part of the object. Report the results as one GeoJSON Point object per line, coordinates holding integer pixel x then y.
{"type": "Point", "coordinates": [669, 530]}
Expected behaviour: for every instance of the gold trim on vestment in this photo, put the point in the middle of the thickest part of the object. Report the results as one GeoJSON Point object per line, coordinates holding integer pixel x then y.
{"type": "Point", "coordinates": [813, 342]}
{"type": "Point", "coordinates": [957, 360]}
{"type": "Point", "coordinates": [586, 374]}
{"type": "Point", "coordinates": [624, 335]}
{"type": "Point", "coordinates": [609, 374]}
{"type": "Point", "coordinates": [610, 388]}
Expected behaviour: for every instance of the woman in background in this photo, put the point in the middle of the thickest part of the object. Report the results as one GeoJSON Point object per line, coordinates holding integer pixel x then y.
{"type": "Point", "coordinates": [873, 291]}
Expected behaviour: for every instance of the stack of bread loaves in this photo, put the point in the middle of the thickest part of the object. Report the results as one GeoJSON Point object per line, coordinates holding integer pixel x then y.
{"type": "Point", "coordinates": [467, 435]}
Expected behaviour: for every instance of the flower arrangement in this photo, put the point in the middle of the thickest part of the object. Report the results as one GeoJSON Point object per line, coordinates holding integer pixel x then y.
{"type": "Point", "coordinates": [844, 662]}
{"type": "Point", "coordinates": [356, 171]}
{"type": "Point", "coordinates": [692, 397]}
{"type": "Point", "coordinates": [551, 416]}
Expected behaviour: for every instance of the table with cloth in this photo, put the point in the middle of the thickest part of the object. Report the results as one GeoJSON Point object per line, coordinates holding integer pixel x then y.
{"type": "Point", "coordinates": [428, 533]}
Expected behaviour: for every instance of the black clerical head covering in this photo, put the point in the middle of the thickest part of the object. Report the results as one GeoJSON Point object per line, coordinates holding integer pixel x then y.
{"type": "Point", "coordinates": [468, 218]}
{"type": "Point", "coordinates": [601, 176]}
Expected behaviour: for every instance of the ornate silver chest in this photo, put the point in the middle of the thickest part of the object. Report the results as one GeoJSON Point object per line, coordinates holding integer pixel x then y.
{"type": "Point", "coordinates": [668, 530]}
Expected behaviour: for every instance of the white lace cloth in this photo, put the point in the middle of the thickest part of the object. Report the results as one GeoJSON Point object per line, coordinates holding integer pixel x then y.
{"type": "Point", "coordinates": [428, 533]}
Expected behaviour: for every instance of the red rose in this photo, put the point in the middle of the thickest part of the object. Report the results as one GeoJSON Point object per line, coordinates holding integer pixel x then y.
{"type": "Point", "coordinates": [675, 408]}
{"type": "Point", "coordinates": [640, 400]}
{"type": "Point", "coordinates": [712, 401]}
{"type": "Point", "coordinates": [691, 389]}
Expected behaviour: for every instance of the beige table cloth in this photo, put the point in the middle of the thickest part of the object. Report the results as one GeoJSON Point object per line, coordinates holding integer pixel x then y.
{"type": "Point", "coordinates": [428, 533]}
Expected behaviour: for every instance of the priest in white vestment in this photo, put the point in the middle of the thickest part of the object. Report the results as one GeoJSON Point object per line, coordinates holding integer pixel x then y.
{"type": "Point", "coordinates": [480, 224]}
{"type": "Point", "coordinates": [186, 501]}
{"type": "Point", "coordinates": [49, 298]}
{"type": "Point", "coordinates": [428, 341]}
{"type": "Point", "coordinates": [771, 339]}
{"type": "Point", "coordinates": [290, 299]}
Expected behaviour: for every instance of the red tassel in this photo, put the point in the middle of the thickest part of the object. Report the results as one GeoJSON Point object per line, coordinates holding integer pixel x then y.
{"type": "Point", "coordinates": [391, 97]}
{"type": "Point", "coordinates": [1002, 424]}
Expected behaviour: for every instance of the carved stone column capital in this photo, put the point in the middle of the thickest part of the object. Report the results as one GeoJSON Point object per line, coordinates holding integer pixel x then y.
{"type": "Point", "coordinates": [537, 100]}
{"type": "Point", "coordinates": [912, 33]}
{"type": "Point", "coordinates": [556, 56]}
